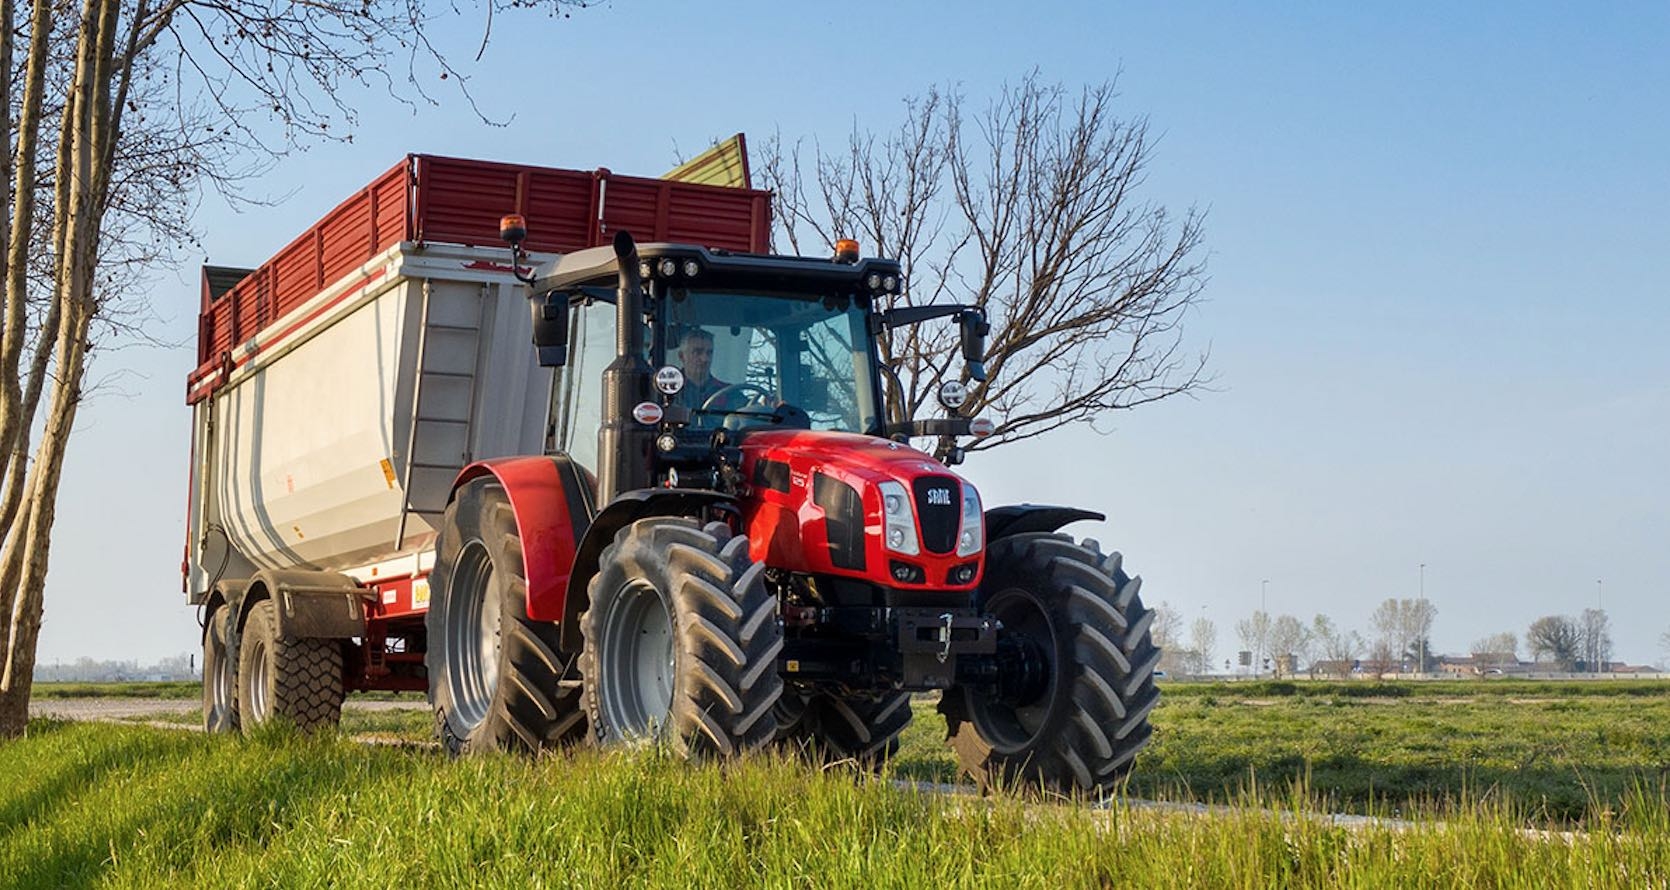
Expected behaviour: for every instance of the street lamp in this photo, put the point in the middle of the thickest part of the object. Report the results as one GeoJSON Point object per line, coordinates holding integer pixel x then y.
{"type": "Point", "coordinates": [1420, 667]}
{"type": "Point", "coordinates": [1264, 623]}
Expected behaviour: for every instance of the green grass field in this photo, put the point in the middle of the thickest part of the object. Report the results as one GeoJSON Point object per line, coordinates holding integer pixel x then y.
{"type": "Point", "coordinates": [1480, 772]}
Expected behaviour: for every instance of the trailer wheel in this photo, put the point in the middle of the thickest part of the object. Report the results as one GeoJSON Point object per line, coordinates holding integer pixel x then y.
{"type": "Point", "coordinates": [863, 727]}
{"type": "Point", "coordinates": [1077, 726]}
{"type": "Point", "coordinates": [299, 680]}
{"type": "Point", "coordinates": [682, 641]}
{"type": "Point", "coordinates": [496, 679]}
{"type": "Point", "coordinates": [220, 711]}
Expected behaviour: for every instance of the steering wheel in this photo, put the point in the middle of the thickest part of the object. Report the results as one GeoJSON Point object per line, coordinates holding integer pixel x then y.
{"type": "Point", "coordinates": [755, 394]}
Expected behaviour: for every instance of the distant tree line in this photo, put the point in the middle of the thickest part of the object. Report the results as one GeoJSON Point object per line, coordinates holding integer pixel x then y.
{"type": "Point", "coordinates": [1399, 641]}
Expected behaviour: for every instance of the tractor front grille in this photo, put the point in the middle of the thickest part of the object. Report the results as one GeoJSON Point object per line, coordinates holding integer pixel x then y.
{"type": "Point", "coordinates": [939, 505]}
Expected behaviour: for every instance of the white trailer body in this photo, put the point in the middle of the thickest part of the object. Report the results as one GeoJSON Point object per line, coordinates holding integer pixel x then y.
{"type": "Point", "coordinates": [333, 442]}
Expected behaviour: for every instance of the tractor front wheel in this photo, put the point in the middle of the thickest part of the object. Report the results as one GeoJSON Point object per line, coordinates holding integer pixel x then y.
{"type": "Point", "coordinates": [1077, 623]}
{"type": "Point", "coordinates": [682, 641]}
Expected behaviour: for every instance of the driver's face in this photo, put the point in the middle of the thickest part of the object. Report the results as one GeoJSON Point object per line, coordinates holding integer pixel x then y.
{"type": "Point", "coordinates": [696, 355]}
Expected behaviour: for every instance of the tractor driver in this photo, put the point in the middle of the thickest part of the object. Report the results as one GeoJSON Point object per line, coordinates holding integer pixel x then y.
{"type": "Point", "coordinates": [695, 356]}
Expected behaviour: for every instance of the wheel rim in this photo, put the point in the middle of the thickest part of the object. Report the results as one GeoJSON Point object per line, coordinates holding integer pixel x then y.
{"type": "Point", "coordinates": [472, 634]}
{"type": "Point", "coordinates": [1007, 728]}
{"type": "Point", "coordinates": [260, 673]}
{"type": "Point", "coordinates": [637, 660]}
{"type": "Point", "coordinates": [220, 682]}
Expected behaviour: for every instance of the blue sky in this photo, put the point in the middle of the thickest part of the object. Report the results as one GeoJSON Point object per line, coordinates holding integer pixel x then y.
{"type": "Point", "coordinates": [1440, 259]}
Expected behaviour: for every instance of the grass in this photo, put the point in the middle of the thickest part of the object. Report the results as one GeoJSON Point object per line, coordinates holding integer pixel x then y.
{"type": "Point", "coordinates": [126, 806]}
{"type": "Point", "coordinates": [185, 689]}
{"type": "Point", "coordinates": [1558, 754]}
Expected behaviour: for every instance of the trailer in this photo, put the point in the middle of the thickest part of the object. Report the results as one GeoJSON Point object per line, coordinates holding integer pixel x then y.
{"type": "Point", "coordinates": [343, 385]}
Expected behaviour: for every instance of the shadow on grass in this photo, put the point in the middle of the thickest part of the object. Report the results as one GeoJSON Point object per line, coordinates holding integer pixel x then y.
{"type": "Point", "coordinates": [1548, 792]}
{"type": "Point", "coordinates": [170, 799]}
{"type": "Point", "coordinates": [84, 756]}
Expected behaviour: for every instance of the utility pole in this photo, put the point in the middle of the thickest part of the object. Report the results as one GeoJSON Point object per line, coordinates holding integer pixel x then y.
{"type": "Point", "coordinates": [1264, 627]}
{"type": "Point", "coordinates": [1420, 667]}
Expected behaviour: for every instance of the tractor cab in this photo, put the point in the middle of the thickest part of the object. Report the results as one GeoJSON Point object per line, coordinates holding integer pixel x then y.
{"type": "Point", "coordinates": [714, 342]}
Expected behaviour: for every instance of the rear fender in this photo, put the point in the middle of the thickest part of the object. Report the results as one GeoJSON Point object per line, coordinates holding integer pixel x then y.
{"type": "Point", "coordinates": [1020, 519]}
{"type": "Point", "coordinates": [311, 605]}
{"type": "Point", "coordinates": [620, 513]}
{"type": "Point", "coordinates": [552, 502]}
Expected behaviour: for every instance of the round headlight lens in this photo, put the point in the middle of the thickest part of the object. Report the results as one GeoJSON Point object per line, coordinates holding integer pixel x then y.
{"type": "Point", "coordinates": [895, 536]}
{"type": "Point", "coordinates": [889, 283]}
{"type": "Point", "coordinates": [952, 394]}
{"type": "Point", "coordinates": [668, 267]}
{"type": "Point", "coordinates": [873, 282]}
{"type": "Point", "coordinates": [691, 267]}
{"type": "Point", "coordinates": [895, 503]}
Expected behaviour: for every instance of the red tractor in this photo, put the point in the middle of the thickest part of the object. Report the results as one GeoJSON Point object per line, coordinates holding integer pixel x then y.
{"type": "Point", "coordinates": [729, 543]}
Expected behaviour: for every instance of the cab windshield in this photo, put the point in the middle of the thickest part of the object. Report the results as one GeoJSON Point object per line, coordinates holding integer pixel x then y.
{"type": "Point", "coordinates": [763, 359]}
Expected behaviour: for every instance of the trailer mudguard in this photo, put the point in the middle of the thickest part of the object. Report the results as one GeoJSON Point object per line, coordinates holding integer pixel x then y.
{"type": "Point", "coordinates": [552, 500]}
{"type": "Point", "coordinates": [620, 513]}
{"type": "Point", "coordinates": [1020, 519]}
{"type": "Point", "coordinates": [311, 605]}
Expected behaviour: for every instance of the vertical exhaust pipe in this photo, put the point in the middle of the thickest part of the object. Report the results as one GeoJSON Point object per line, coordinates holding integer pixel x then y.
{"type": "Point", "coordinates": [623, 444]}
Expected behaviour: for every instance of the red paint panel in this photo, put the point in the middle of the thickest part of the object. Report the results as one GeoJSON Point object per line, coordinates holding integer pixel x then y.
{"type": "Point", "coordinates": [548, 540]}
{"type": "Point", "coordinates": [454, 201]}
{"type": "Point", "coordinates": [787, 529]}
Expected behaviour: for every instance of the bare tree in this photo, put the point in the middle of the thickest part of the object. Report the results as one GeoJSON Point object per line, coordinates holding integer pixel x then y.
{"type": "Point", "coordinates": [1554, 638]}
{"type": "Point", "coordinates": [1203, 639]}
{"type": "Point", "coordinates": [1167, 633]}
{"type": "Point", "coordinates": [1031, 210]}
{"type": "Point", "coordinates": [1595, 639]}
{"type": "Point", "coordinates": [117, 114]}
{"type": "Point", "coordinates": [1254, 634]}
{"type": "Point", "coordinates": [1289, 643]}
{"type": "Point", "coordinates": [1404, 626]}
{"type": "Point", "coordinates": [1382, 660]}
{"type": "Point", "coordinates": [1496, 650]}
{"type": "Point", "coordinates": [1338, 648]}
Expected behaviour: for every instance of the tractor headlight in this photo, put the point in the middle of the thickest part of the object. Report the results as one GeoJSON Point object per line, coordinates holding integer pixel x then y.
{"type": "Point", "coordinates": [691, 267]}
{"type": "Point", "coordinates": [668, 267]}
{"type": "Point", "coordinates": [898, 520]}
{"type": "Point", "coordinates": [971, 533]}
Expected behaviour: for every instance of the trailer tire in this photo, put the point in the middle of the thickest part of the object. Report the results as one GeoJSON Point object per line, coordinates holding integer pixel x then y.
{"type": "Point", "coordinates": [682, 640]}
{"type": "Point", "coordinates": [283, 677]}
{"type": "Point", "coordinates": [220, 676]}
{"type": "Point", "coordinates": [861, 728]}
{"type": "Point", "coordinates": [1085, 617]}
{"type": "Point", "coordinates": [497, 680]}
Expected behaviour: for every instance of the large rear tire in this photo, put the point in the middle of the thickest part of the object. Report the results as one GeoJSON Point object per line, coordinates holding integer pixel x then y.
{"type": "Point", "coordinates": [1083, 617]}
{"type": "Point", "coordinates": [863, 728]}
{"type": "Point", "coordinates": [220, 708]}
{"type": "Point", "coordinates": [682, 640]}
{"type": "Point", "coordinates": [497, 679]}
{"type": "Point", "coordinates": [284, 677]}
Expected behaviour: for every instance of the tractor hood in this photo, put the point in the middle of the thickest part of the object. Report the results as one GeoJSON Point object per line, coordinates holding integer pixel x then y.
{"type": "Point", "coordinates": [846, 504]}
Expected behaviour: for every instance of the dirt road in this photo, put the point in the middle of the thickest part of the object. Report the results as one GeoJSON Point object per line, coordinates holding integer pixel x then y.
{"type": "Point", "coordinates": [122, 708]}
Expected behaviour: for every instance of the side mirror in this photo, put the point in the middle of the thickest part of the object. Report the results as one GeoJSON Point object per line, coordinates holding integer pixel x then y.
{"type": "Point", "coordinates": [550, 329]}
{"type": "Point", "coordinates": [974, 328]}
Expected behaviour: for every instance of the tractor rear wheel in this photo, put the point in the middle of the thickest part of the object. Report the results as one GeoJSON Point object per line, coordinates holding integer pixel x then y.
{"type": "Point", "coordinates": [496, 679]}
{"type": "Point", "coordinates": [863, 727]}
{"type": "Point", "coordinates": [283, 677]}
{"type": "Point", "coordinates": [1079, 618]}
{"type": "Point", "coordinates": [220, 711]}
{"type": "Point", "coordinates": [682, 641]}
